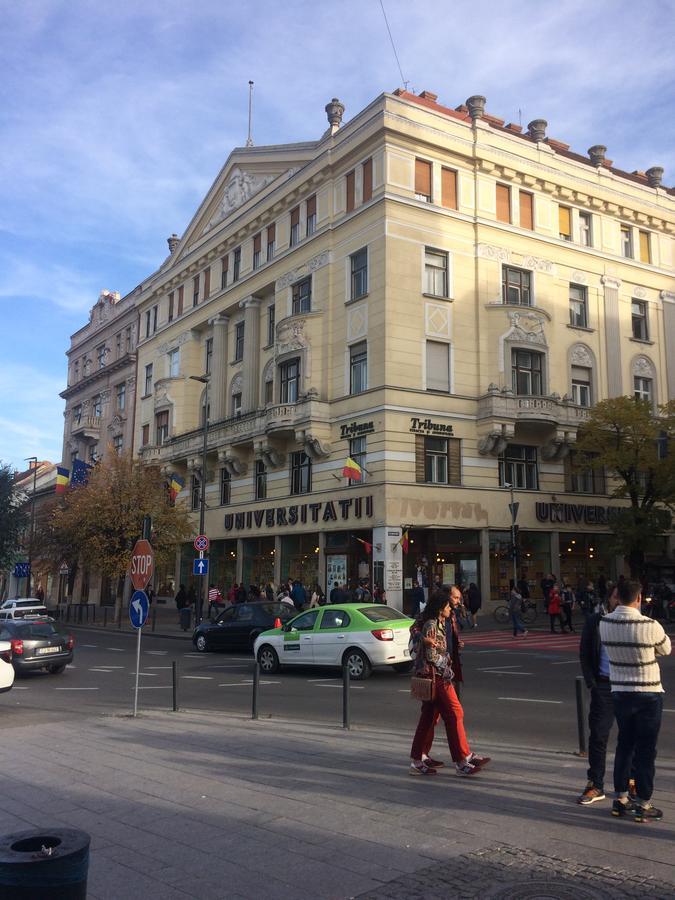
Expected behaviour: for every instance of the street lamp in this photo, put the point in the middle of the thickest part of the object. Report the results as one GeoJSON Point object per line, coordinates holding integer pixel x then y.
{"type": "Point", "coordinates": [513, 507]}
{"type": "Point", "coordinates": [34, 460]}
{"type": "Point", "coordinates": [202, 597]}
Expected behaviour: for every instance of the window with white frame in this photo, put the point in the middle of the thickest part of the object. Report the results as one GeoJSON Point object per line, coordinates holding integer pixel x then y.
{"type": "Point", "coordinates": [311, 215]}
{"type": "Point", "coordinates": [174, 363]}
{"type": "Point", "coordinates": [518, 467]}
{"type": "Point", "coordinates": [627, 241]}
{"type": "Point", "coordinates": [161, 427]}
{"type": "Point", "coordinates": [358, 368]}
{"type": "Point", "coordinates": [639, 321]}
{"type": "Point", "coordinates": [581, 386]}
{"type": "Point", "coordinates": [643, 388]}
{"type": "Point", "coordinates": [118, 444]}
{"type": "Point", "coordinates": [121, 396]}
{"type": "Point", "coordinates": [236, 404]}
{"type": "Point", "coordinates": [147, 389]}
{"type": "Point", "coordinates": [578, 306]}
{"type": "Point", "coordinates": [295, 226]}
{"type": "Point", "coordinates": [301, 293]}
{"type": "Point", "coordinates": [438, 366]}
{"type": "Point", "coordinates": [527, 373]}
{"type": "Point", "coordinates": [358, 265]}
{"type": "Point", "coordinates": [516, 286]}
{"type": "Point", "coordinates": [436, 460]}
{"type": "Point", "coordinates": [271, 241]}
{"type": "Point", "coordinates": [435, 272]}
{"type": "Point", "coordinates": [96, 406]}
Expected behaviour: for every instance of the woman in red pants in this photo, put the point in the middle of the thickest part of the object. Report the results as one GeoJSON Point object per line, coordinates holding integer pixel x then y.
{"type": "Point", "coordinates": [433, 661]}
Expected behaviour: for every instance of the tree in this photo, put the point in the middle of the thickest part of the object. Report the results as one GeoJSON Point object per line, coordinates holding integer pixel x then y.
{"type": "Point", "coordinates": [13, 517]}
{"type": "Point", "coordinates": [636, 448]}
{"type": "Point", "coordinates": [104, 517]}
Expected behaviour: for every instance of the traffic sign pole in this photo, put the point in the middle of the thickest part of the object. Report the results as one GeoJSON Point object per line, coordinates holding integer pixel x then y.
{"type": "Point", "coordinates": [138, 666]}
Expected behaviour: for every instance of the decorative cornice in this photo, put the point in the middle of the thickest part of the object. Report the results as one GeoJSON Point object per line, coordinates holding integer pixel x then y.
{"type": "Point", "coordinates": [610, 282]}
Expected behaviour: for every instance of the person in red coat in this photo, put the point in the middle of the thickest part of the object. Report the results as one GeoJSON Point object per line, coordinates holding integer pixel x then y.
{"type": "Point", "coordinates": [555, 608]}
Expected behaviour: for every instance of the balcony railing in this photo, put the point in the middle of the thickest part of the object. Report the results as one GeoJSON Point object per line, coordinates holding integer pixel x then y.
{"type": "Point", "coordinates": [505, 406]}
{"type": "Point", "coordinates": [87, 426]}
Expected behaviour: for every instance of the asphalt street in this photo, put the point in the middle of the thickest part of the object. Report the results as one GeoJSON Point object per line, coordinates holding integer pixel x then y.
{"type": "Point", "coordinates": [519, 692]}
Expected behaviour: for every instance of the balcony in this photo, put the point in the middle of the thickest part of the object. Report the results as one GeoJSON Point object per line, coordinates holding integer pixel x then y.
{"type": "Point", "coordinates": [505, 407]}
{"type": "Point", "coordinates": [87, 428]}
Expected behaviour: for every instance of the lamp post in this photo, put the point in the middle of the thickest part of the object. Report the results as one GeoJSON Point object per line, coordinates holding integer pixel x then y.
{"type": "Point", "coordinates": [34, 461]}
{"type": "Point", "coordinates": [203, 595]}
{"type": "Point", "coordinates": [513, 507]}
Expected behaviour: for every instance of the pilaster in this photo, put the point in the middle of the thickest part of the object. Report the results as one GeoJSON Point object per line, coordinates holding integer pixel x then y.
{"type": "Point", "coordinates": [218, 384]}
{"type": "Point", "coordinates": [249, 400]}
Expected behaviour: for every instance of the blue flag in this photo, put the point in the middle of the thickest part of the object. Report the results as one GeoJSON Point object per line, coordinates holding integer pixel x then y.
{"type": "Point", "coordinates": [80, 473]}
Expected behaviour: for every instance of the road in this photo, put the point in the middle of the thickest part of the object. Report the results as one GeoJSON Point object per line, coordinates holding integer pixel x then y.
{"type": "Point", "coordinates": [516, 692]}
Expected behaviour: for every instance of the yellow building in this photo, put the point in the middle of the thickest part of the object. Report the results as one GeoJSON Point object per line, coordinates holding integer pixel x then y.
{"type": "Point", "coordinates": [438, 296]}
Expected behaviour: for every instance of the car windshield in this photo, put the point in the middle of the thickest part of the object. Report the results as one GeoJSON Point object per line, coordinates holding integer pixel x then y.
{"type": "Point", "coordinates": [35, 630]}
{"type": "Point", "coordinates": [282, 610]}
{"type": "Point", "coordinates": [379, 613]}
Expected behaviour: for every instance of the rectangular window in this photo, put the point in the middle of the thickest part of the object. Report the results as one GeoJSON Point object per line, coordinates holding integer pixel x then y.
{"type": "Point", "coordinates": [208, 355]}
{"type": "Point", "coordinates": [435, 272]}
{"type": "Point", "coordinates": [93, 453]}
{"type": "Point", "coordinates": [155, 313]}
{"type": "Point", "coordinates": [118, 444]}
{"type": "Point", "coordinates": [148, 380]}
{"type": "Point", "coordinates": [195, 492]}
{"type": "Point", "coordinates": [423, 180]}
{"type": "Point", "coordinates": [181, 291]}
{"type": "Point", "coordinates": [516, 286]}
{"type": "Point", "coordinates": [260, 480]}
{"type": "Point", "coordinates": [581, 386]}
{"type": "Point", "coordinates": [127, 339]}
{"type": "Point", "coordinates": [367, 173]}
{"type": "Point", "coordinates": [643, 388]}
{"type": "Point", "coordinates": [503, 203]}
{"type": "Point", "coordinates": [224, 266]}
{"type": "Point", "coordinates": [225, 487]}
{"type": "Point", "coordinates": [121, 394]}
{"type": "Point", "coordinates": [236, 269]}
{"type": "Point", "coordinates": [627, 241]}
{"type": "Point", "coordinates": [207, 282]}
{"type": "Point", "coordinates": [145, 435]}
{"type": "Point", "coordinates": [162, 427]}
{"type": "Point", "coordinates": [118, 344]}
{"type": "Point", "coordinates": [301, 473]}
{"type": "Point", "coordinates": [526, 373]}
{"type": "Point", "coordinates": [438, 460]}
{"type": "Point", "coordinates": [438, 366]}
{"type": "Point", "coordinates": [449, 188]}
{"type": "Point", "coordinates": [76, 371]}
{"type": "Point", "coordinates": [518, 467]}
{"type": "Point", "coordinates": [358, 368]}
{"type": "Point", "coordinates": [580, 479]}
{"type": "Point", "coordinates": [311, 215]}
{"type": "Point", "coordinates": [638, 309]}
{"type": "Point", "coordinates": [351, 191]}
{"type": "Point", "coordinates": [565, 223]}
{"type": "Point", "coordinates": [585, 236]}
{"type": "Point", "coordinates": [357, 451]}
{"type": "Point", "coordinates": [269, 392]}
{"type": "Point", "coordinates": [271, 240]}
{"type": "Point", "coordinates": [170, 316]}
{"type": "Point", "coordinates": [148, 319]}
{"type": "Point", "coordinates": [289, 381]}
{"type": "Point", "coordinates": [302, 296]}
{"type": "Point", "coordinates": [358, 263]}
{"type": "Point", "coordinates": [96, 405]}
{"type": "Point", "coordinates": [526, 210]}
{"type": "Point", "coordinates": [77, 413]}
{"type": "Point", "coordinates": [239, 341]}
{"type": "Point", "coordinates": [645, 255]}
{"type": "Point", "coordinates": [236, 405]}
{"type": "Point", "coordinates": [174, 363]}
{"type": "Point", "coordinates": [295, 226]}
{"type": "Point", "coordinates": [257, 252]}
{"type": "Point", "coordinates": [271, 318]}
{"type": "Point", "coordinates": [100, 356]}
{"type": "Point", "coordinates": [578, 306]}
{"type": "Point", "coordinates": [195, 290]}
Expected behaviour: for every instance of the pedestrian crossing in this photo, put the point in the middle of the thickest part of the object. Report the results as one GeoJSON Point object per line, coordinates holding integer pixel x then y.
{"type": "Point", "coordinates": [534, 640]}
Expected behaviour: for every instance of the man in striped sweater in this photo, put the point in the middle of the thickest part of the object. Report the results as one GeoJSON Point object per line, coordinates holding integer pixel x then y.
{"type": "Point", "coordinates": [633, 642]}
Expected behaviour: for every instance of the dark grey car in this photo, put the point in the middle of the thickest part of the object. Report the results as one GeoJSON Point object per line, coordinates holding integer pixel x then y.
{"type": "Point", "coordinates": [38, 643]}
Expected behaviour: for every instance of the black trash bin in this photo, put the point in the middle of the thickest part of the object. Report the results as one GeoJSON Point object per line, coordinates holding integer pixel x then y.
{"type": "Point", "coordinates": [44, 865]}
{"type": "Point", "coordinates": [185, 618]}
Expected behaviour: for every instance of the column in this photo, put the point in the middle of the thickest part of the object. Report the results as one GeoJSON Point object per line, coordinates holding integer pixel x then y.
{"type": "Point", "coordinates": [555, 554]}
{"type": "Point", "coordinates": [612, 336]}
{"type": "Point", "coordinates": [387, 549]}
{"type": "Point", "coordinates": [250, 398]}
{"type": "Point", "coordinates": [277, 560]}
{"type": "Point", "coordinates": [321, 575]}
{"type": "Point", "coordinates": [218, 383]}
{"type": "Point", "coordinates": [668, 300]}
{"type": "Point", "coordinates": [240, 561]}
{"type": "Point", "coordinates": [485, 587]}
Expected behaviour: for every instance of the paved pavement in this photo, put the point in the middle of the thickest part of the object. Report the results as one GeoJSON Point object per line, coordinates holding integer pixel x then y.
{"type": "Point", "coordinates": [189, 805]}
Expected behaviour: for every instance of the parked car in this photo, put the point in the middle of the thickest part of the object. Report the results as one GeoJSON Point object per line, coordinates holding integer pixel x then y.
{"type": "Point", "coordinates": [37, 643]}
{"type": "Point", "coordinates": [238, 626]}
{"type": "Point", "coordinates": [6, 667]}
{"type": "Point", "coordinates": [360, 636]}
{"type": "Point", "coordinates": [18, 607]}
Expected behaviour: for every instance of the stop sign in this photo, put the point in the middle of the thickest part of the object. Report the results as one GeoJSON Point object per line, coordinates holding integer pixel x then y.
{"type": "Point", "coordinates": [142, 564]}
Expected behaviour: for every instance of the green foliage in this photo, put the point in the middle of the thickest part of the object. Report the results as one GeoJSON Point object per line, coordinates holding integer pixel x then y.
{"type": "Point", "coordinates": [13, 518]}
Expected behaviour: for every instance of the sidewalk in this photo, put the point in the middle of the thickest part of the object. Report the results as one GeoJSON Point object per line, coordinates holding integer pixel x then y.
{"type": "Point", "coordinates": [187, 805]}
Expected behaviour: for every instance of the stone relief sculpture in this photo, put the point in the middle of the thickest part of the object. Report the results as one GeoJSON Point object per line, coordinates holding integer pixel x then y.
{"type": "Point", "coordinates": [643, 367]}
{"type": "Point", "coordinates": [580, 355]}
{"type": "Point", "coordinates": [239, 187]}
{"type": "Point", "coordinates": [291, 336]}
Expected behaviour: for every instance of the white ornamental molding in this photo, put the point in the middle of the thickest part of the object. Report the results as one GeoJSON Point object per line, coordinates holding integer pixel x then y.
{"type": "Point", "coordinates": [239, 188]}
{"type": "Point", "coordinates": [538, 265]}
{"type": "Point", "coordinates": [318, 262]}
{"type": "Point", "coordinates": [237, 384]}
{"type": "Point", "coordinates": [579, 277]}
{"type": "Point", "coordinates": [488, 251]}
{"type": "Point", "coordinates": [527, 327]}
{"type": "Point", "coordinates": [580, 355]}
{"type": "Point", "coordinates": [640, 293]}
{"type": "Point", "coordinates": [290, 278]}
{"type": "Point", "coordinates": [291, 336]}
{"type": "Point", "coordinates": [610, 282]}
{"type": "Point", "coordinates": [667, 296]}
{"type": "Point", "coordinates": [643, 367]}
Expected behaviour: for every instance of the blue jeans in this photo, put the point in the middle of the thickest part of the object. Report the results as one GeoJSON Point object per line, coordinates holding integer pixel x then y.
{"type": "Point", "coordinates": [517, 623]}
{"type": "Point", "coordinates": [638, 716]}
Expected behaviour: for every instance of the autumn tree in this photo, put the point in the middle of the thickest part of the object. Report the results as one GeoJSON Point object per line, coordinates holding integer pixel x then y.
{"type": "Point", "coordinates": [13, 517]}
{"type": "Point", "coordinates": [636, 448]}
{"type": "Point", "coordinates": [104, 517]}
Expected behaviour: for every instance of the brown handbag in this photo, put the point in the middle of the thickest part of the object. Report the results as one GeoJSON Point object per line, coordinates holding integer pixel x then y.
{"type": "Point", "coordinates": [423, 688]}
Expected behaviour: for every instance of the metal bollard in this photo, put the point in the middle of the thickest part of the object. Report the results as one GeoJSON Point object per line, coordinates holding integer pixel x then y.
{"type": "Point", "coordinates": [119, 620]}
{"type": "Point", "coordinates": [581, 714]}
{"type": "Point", "coordinates": [174, 676]}
{"type": "Point", "coordinates": [346, 710]}
{"type": "Point", "coordinates": [93, 614]}
{"type": "Point", "coordinates": [256, 687]}
{"type": "Point", "coordinates": [154, 619]}
{"type": "Point", "coordinates": [105, 616]}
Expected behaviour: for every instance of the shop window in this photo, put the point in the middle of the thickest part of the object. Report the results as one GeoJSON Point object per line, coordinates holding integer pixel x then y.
{"type": "Point", "coordinates": [527, 373]}
{"type": "Point", "coordinates": [358, 368]}
{"type": "Point", "coordinates": [438, 460]}
{"type": "Point", "coordinates": [289, 381]}
{"type": "Point", "coordinates": [580, 478]}
{"type": "Point", "coordinates": [578, 306]}
{"type": "Point", "coordinates": [260, 480]}
{"type": "Point", "coordinates": [518, 467]}
{"type": "Point", "coordinates": [639, 321]}
{"type": "Point", "coordinates": [225, 487]}
{"type": "Point", "coordinates": [302, 297]}
{"type": "Point", "coordinates": [301, 473]}
{"type": "Point", "coordinates": [195, 492]}
{"type": "Point", "coordinates": [438, 366]}
{"type": "Point", "coordinates": [516, 286]}
{"type": "Point", "coordinates": [581, 386]}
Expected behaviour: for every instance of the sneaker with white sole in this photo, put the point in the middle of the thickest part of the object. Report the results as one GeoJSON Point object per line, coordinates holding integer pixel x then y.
{"type": "Point", "coordinates": [479, 761]}
{"type": "Point", "coordinates": [433, 763]}
{"type": "Point", "coordinates": [421, 769]}
{"type": "Point", "coordinates": [591, 794]}
{"type": "Point", "coordinates": [466, 769]}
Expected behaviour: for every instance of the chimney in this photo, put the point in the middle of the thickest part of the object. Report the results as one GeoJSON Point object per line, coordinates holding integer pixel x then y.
{"type": "Point", "coordinates": [173, 242]}
{"type": "Point", "coordinates": [597, 154]}
{"type": "Point", "coordinates": [429, 95]}
{"type": "Point", "coordinates": [654, 176]}
{"type": "Point", "coordinates": [334, 112]}
{"type": "Point", "coordinates": [537, 129]}
{"type": "Point", "coordinates": [476, 106]}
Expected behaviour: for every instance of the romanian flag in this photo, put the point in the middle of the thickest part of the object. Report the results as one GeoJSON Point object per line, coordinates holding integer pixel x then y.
{"type": "Point", "coordinates": [366, 546]}
{"type": "Point", "coordinates": [405, 541]}
{"type": "Point", "coordinates": [175, 486]}
{"type": "Point", "coordinates": [352, 469]}
{"type": "Point", "coordinates": [62, 480]}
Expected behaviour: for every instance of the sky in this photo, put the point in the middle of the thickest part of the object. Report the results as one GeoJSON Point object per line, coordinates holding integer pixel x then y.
{"type": "Point", "coordinates": [116, 118]}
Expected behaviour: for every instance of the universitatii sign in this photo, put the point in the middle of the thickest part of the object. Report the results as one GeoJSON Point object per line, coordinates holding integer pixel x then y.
{"type": "Point", "coordinates": [575, 513]}
{"type": "Point", "coordinates": [328, 511]}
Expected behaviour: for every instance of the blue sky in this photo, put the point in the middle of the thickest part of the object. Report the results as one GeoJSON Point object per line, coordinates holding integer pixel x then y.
{"type": "Point", "coordinates": [116, 118]}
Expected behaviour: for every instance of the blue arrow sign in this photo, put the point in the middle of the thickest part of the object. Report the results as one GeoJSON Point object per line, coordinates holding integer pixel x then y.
{"type": "Point", "coordinates": [200, 567]}
{"type": "Point", "coordinates": [138, 608]}
{"type": "Point", "coordinates": [21, 570]}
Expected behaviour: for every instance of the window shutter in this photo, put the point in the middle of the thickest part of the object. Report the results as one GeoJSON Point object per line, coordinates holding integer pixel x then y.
{"type": "Point", "coordinates": [526, 216]}
{"type": "Point", "coordinates": [420, 476]}
{"type": "Point", "coordinates": [423, 177]}
{"type": "Point", "coordinates": [449, 188]}
{"type": "Point", "coordinates": [644, 247]}
{"type": "Point", "coordinates": [454, 461]}
{"type": "Point", "coordinates": [207, 282]}
{"type": "Point", "coordinates": [311, 206]}
{"type": "Point", "coordinates": [503, 203]}
{"type": "Point", "coordinates": [256, 242]}
{"type": "Point", "coordinates": [180, 299]}
{"type": "Point", "coordinates": [295, 216]}
{"type": "Point", "coordinates": [564, 223]}
{"type": "Point", "coordinates": [350, 191]}
{"type": "Point", "coordinates": [438, 368]}
{"type": "Point", "coordinates": [271, 233]}
{"type": "Point", "coordinates": [367, 180]}
{"type": "Point", "coordinates": [581, 373]}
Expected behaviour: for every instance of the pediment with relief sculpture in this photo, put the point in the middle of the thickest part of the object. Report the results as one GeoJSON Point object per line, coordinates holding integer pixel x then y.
{"type": "Point", "coordinates": [240, 187]}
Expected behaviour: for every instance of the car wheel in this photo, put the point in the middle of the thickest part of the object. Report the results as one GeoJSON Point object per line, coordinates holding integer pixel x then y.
{"type": "Point", "coordinates": [200, 643]}
{"type": "Point", "coordinates": [403, 667]}
{"type": "Point", "coordinates": [358, 664]}
{"type": "Point", "coordinates": [56, 670]}
{"type": "Point", "coordinates": [268, 660]}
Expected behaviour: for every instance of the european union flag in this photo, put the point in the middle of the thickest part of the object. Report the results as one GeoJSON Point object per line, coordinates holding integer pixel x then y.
{"type": "Point", "coordinates": [80, 473]}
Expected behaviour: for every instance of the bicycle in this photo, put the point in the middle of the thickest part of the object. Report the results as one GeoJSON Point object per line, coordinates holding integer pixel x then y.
{"type": "Point", "coordinates": [528, 613]}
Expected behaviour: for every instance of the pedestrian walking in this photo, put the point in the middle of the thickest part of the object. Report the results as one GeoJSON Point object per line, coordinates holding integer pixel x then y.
{"type": "Point", "coordinates": [433, 664]}
{"type": "Point", "coordinates": [555, 608]}
{"type": "Point", "coordinates": [417, 600]}
{"type": "Point", "coordinates": [298, 595]}
{"type": "Point", "coordinates": [567, 600]}
{"type": "Point", "coordinates": [180, 598]}
{"type": "Point", "coordinates": [473, 604]}
{"type": "Point", "coordinates": [515, 610]}
{"type": "Point", "coordinates": [546, 585]}
{"type": "Point", "coordinates": [633, 642]}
